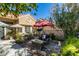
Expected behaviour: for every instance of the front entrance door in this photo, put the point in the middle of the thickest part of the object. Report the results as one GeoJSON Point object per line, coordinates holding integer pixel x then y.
{"type": "Point", "coordinates": [1, 32]}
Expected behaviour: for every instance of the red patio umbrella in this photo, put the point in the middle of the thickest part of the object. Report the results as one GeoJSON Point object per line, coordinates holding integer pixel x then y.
{"type": "Point", "coordinates": [45, 23]}
{"type": "Point", "coordinates": [37, 24]}
{"type": "Point", "coordinates": [42, 23]}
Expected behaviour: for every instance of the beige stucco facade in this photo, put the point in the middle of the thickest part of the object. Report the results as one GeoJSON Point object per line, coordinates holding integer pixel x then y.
{"type": "Point", "coordinates": [27, 21]}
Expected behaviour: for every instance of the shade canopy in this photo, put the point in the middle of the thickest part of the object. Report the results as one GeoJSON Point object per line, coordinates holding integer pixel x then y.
{"type": "Point", "coordinates": [2, 24]}
{"type": "Point", "coordinates": [42, 23]}
{"type": "Point", "coordinates": [45, 23]}
{"type": "Point", "coordinates": [37, 24]}
{"type": "Point", "coordinates": [17, 26]}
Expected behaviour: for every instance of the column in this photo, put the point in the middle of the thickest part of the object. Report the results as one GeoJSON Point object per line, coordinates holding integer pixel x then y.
{"type": "Point", "coordinates": [23, 29]}
{"type": "Point", "coordinates": [30, 29]}
{"type": "Point", "coordinates": [5, 31]}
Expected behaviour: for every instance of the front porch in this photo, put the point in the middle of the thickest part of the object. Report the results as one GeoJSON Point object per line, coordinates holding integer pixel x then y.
{"type": "Point", "coordinates": [5, 31]}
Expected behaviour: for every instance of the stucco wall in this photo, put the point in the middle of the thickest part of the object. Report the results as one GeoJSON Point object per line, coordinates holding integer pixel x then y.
{"type": "Point", "coordinates": [26, 20]}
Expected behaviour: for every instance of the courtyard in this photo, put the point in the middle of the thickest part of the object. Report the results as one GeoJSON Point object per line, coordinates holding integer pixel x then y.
{"type": "Point", "coordinates": [39, 29]}
{"type": "Point", "coordinates": [10, 48]}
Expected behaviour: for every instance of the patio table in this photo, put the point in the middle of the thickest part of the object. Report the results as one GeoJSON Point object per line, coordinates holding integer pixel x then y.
{"type": "Point", "coordinates": [38, 41]}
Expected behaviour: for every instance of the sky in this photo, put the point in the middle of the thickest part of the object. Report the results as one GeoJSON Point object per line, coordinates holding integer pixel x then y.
{"type": "Point", "coordinates": [43, 10]}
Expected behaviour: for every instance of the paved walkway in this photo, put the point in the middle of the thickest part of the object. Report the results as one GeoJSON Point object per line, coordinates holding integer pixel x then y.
{"type": "Point", "coordinates": [54, 47]}
{"type": "Point", "coordinates": [13, 49]}
{"type": "Point", "coordinates": [11, 52]}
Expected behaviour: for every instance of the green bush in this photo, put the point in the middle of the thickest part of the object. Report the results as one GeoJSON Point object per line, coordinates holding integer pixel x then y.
{"type": "Point", "coordinates": [69, 50]}
{"type": "Point", "coordinates": [52, 36]}
{"type": "Point", "coordinates": [19, 38]}
{"type": "Point", "coordinates": [53, 54]}
{"type": "Point", "coordinates": [71, 46]}
{"type": "Point", "coordinates": [30, 36]}
{"type": "Point", "coordinates": [56, 37]}
{"type": "Point", "coordinates": [72, 40]}
{"type": "Point", "coordinates": [11, 34]}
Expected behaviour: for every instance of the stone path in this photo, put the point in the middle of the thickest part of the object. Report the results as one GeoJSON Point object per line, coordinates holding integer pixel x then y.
{"type": "Point", "coordinates": [13, 49]}
{"type": "Point", "coordinates": [11, 52]}
{"type": "Point", "coordinates": [54, 47]}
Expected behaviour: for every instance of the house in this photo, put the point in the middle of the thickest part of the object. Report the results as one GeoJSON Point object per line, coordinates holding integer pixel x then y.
{"type": "Point", "coordinates": [27, 21]}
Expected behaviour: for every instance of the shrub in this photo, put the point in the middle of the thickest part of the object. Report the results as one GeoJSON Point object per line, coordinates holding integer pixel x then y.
{"type": "Point", "coordinates": [53, 54]}
{"type": "Point", "coordinates": [71, 46]}
{"type": "Point", "coordinates": [19, 38]}
{"type": "Point", "coordinates": [72, 40]}
{"type": "Point", "coordinates": [11, 34]}
{"type": "Point", "coordinates": [69, 50]}
{"type": "Point", "coordinates": [57, 37]}
{"type": "Point", "coordinates": [52, 36]}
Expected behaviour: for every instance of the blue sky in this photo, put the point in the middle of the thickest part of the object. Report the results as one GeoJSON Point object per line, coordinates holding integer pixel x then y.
{"type": "Point", "coordinates": [43, 10]}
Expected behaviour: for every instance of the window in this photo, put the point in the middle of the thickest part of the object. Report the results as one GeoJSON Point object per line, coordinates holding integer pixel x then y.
{"type": "Point", "coordinates": [27, 29]}
{"type": "Point", "coordinates": [20, 29]}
